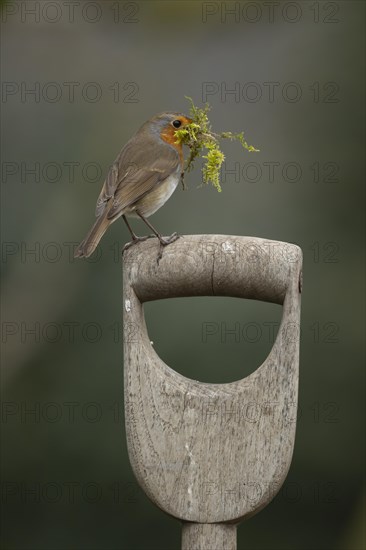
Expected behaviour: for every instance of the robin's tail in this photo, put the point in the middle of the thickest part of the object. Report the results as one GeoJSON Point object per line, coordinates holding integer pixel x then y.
{"type": "Point", "coordinates": [91, 241]}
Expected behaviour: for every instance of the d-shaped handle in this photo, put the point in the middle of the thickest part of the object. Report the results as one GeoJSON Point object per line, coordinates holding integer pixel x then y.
{"type": "Point", "coordinates": [193, 451]}
{"type": "Point", "coordinates": [214, 265]}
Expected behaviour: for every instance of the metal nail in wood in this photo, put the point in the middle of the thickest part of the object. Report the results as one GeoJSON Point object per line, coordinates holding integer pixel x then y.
{"type": "Point", "coordinates": [211, 471]}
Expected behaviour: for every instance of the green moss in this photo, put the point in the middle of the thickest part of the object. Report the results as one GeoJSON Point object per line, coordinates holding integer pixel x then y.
{"type": "Point", "coordinates": [211, 170]}
{"type": "Point", "coordinates": [198, 136]}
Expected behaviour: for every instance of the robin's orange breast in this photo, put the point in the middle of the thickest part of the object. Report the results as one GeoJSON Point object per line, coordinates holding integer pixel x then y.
{"type": "Point", "coordinates": [168, 135]}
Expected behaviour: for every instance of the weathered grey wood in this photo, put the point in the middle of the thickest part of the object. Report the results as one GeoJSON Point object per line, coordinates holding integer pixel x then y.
{"type": "Point", "coordinates": [211, 453]}
{"type": "Point", "coordinates": [208, 536]}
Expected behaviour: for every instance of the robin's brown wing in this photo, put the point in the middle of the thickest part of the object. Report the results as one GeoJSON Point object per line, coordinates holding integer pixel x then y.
{"type": "Point", "coordinates": [135, 172]}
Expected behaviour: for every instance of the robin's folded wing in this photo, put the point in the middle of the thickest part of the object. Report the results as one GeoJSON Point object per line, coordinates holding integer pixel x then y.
{"type": "Point", "coordinates": [135, 172]}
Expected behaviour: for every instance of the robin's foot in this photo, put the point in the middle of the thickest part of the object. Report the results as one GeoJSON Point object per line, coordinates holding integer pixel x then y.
{"type": "Point", "coordinates": [135, 241]}
{"type": "Point", "coordinates": [164, 241]}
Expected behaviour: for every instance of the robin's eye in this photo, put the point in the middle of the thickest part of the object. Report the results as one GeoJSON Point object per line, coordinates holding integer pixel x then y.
{"type": "Point", "coordinates": [177, 123]}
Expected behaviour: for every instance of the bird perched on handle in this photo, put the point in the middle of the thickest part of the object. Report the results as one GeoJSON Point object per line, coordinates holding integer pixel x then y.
{"type": "Point", "coordinates": [142, 178]}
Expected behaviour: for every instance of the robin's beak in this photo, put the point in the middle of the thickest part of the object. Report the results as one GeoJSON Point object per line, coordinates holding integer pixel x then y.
{"type": "Point", "coordinates": [188, 120]}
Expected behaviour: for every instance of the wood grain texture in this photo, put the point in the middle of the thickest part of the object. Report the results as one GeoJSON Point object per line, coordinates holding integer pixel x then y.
{"type": "Point", "coordinates": [211, 453]}
{"type": "Point", "coordinates": [208, 536]}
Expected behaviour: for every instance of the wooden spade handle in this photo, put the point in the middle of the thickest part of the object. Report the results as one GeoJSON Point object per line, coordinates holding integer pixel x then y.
{"type": "Point", "coordinates": [192, 448]}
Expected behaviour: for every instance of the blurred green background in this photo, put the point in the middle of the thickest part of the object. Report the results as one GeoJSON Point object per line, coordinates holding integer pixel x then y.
{"type": "Point", "coordinates": [98, 70]}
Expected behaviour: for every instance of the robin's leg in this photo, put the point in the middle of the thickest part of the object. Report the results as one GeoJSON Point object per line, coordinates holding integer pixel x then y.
{"type": "Point", "coordinates": [135, 238]}
{"type": "Point", "coordinates": [163, 241]}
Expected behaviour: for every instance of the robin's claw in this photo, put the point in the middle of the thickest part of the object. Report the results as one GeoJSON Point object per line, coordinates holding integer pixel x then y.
{"type": "Point", "coordinates": [164, 241]}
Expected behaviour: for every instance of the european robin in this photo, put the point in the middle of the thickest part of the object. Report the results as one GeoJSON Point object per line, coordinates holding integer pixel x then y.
{"type": "Point", "coordinates": [141, 179]}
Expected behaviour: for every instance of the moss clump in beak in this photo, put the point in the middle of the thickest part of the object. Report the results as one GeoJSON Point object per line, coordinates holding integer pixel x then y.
{"type": "Point", "coordinates": [199, 137]}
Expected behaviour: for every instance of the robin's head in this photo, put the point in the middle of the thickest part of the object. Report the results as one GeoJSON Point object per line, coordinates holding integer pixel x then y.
{"type": "Point", "coordinates": [166, 124]}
